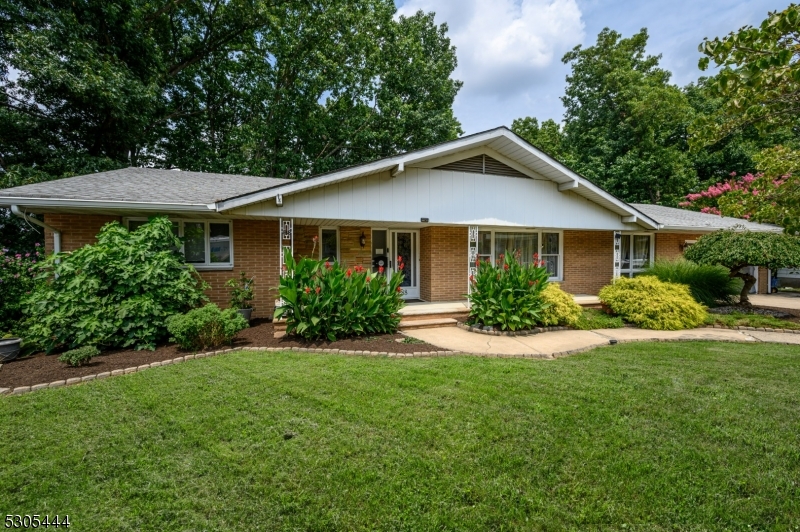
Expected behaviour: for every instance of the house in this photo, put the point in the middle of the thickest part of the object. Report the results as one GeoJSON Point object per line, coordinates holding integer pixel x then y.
{"type": "Point", "coordinates": [438, 208]}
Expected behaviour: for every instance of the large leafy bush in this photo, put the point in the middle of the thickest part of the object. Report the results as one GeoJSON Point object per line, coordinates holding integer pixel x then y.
{"type": "Point", "coordinates": [709, 284]}
{"type": "Point", "coordinates": [205, 327]}
{"type": "Point", "coordinates": [115, 293]}
{"type": "Point", "coordinates": [17, 280]}
{"type": "Point", "coordinates": [508, 294]}
{"type": "Point", "coordinates": [560, 308]}
{"type": "Point", "coordinates": [323, 300]}
{"type": "Point", "coordinates": [652, 304]}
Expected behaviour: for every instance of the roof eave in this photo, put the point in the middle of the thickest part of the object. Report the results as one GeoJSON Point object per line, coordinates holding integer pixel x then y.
{"type": "Point", "coordinates": [22, 201]}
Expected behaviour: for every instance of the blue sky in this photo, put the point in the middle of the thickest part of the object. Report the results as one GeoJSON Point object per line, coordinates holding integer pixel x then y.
{"type": "Point", "coordinates": [510, 51]}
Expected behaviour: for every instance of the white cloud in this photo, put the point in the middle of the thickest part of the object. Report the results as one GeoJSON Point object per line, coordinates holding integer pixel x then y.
{"type": "Point", "coordinates": [506, 47]}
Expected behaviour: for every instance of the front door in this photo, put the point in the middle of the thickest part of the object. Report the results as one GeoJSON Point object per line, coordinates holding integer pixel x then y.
{"type": "Point", "coordinates": [405, 244]}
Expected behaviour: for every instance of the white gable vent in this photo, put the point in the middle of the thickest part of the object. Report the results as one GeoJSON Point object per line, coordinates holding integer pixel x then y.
{"type": "Point", "coordinates": [481, 164]}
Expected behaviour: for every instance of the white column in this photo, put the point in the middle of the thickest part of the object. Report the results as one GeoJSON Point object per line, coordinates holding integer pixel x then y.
{"type": "Point", "coordinates": [617, 254]}
{"type": "Point", "coordinates": [472, 256]}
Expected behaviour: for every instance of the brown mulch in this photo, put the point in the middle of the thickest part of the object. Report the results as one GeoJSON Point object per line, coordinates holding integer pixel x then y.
{"type": "Point", "coordinates": [41, 368]}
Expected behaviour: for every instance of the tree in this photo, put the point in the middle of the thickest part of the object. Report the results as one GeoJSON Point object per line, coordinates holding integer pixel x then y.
{"type": "Point", "coordinates": [737, 249]}
{"type": "Point", "coordinates": [549, 137]}
{"type": "Point", "coordinates": [759, 80]}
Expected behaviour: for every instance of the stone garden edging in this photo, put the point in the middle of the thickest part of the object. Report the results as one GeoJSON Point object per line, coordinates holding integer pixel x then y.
{"type": "Point", "coordinates": [525, 332]}
{"type": "Point", "coordinates": [19, 390]}
{"type": "Point", "coordinates": [760, 329]}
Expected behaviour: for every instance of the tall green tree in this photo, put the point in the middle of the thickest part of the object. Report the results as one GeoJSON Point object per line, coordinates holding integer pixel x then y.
{"type": "Point", "coordinates": [548, 137]}
{"type": "Point", "coordinates": [625, 123]}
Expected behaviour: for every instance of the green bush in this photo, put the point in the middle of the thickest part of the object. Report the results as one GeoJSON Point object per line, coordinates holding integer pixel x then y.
{"type": "Point", "coordinates": [205, 327]}
{"type": "Point", "coordinates": [80, 356]}
{"type": "Point", "coordinates": [17, 280]}
{"type": "Point", "coordinates": [710, 285]}
{"type": "Point", "coordinates": [323, 300]}
{"type": "Point", "coordinates": [115, 293]}
{"type": "Point", "coordinates": [652, 304]}
{"type": "Point", "coordinates": [508, 294]}
{"type": "Point", "coordinates": [242, 293]}
{"type": "Point", "coordinates": [560, 308]}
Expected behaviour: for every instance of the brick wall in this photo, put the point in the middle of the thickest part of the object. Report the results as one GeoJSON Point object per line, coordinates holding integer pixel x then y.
{"type": "Point", "coordinates": [588, 261]}
{"type": "Point", "coordinates": [668, 245]}
{"type": "Point", "coordinates": [304, 241]}
{"type": "Point", "coordinates": [77, 230]}
{"type": "Point", "coordinates": [350, 250]}
{"type": "Point", "coordinates": [443, 263]}
{"type": "Point", "coordinates": [763, 281]}
{"type": "Point", "coordinates": [255, 248]}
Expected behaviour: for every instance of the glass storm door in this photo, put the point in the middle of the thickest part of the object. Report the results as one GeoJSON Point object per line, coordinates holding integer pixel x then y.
{"type": "Point", "coordinates": [404, 244]}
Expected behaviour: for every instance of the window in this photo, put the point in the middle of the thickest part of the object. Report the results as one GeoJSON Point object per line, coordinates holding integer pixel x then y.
{"type": "Point", "coordinates": [636, 253]}
{"type": "Point", "coordinates": [206, 245]}
{"type": "Point", "coordinates": [491, 244]}
{"type": "Point", "coordinates": [329, 243]}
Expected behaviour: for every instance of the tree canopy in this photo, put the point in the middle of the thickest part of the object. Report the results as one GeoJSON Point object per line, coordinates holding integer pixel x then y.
{"type": "Point", "coordinates": [282, 88]}
{"type": "Point", "coordinates": [738, 249]}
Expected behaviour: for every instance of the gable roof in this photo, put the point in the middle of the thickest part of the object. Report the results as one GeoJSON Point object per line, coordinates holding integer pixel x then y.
{"type": "Point", "coordinates": [501, 140]}
{"type": "Point", "coordinates": [674, 219]}
{"type": "Point", "coordinates": [141, 187]}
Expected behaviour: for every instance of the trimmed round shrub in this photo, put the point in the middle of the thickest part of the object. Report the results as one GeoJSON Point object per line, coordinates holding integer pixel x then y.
{"type": "Point", "coordinates": [560, 308]}
{"type": "Point", "coordinates": [652, 304]}
{"type": "Point", "coordinates": [205, 327]}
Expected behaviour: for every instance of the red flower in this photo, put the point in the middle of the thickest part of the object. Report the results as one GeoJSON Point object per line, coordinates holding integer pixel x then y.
{"type": "Point", "coordinates": [399, 258]}
{"type": "Point", "coordinates": [399, 289]}
{"type": "Point", "coordinates": [472, 278]}
{"type": "Point", "coordinates": [349, 272]}
{"type": "Point", "coordinates": [283, 266]}
{"type": "Point", "coordinates": [535, 256]}
{"type": "Point", "coordinates": [308, 290]}
{"type": "Point", "coordinates": [318, 290]}
{"type": "Point", "coordinates": [502, 256]}
{"type": "Point", "coordinates": [368, 279]}
{"type": "Point", "coordinates": [315, 239]}
{"type": "Point", "coordinates": [505, 266]}
{"type": "Point", "coordinates": [530, 283]}
{"type": "Point", "coordinates": [380, 269]}
{"type": "Point", "coordinates": [327, 264]}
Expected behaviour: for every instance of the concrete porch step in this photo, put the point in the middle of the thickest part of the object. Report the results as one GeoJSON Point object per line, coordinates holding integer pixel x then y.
{"type": "Point", "coordinates": [455, 315]}
{"type": "Point", "coordinates": [407, 325]}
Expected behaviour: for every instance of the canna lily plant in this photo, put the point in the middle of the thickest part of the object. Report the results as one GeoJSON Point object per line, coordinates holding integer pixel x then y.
{"type": "Point", "coordinates": [508, 294]}
{"type": "Point", "coordinates": [321, 299]}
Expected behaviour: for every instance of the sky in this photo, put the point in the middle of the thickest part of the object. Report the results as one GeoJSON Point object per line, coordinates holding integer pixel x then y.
{"type": "Point", "coordinates": [509, 51]}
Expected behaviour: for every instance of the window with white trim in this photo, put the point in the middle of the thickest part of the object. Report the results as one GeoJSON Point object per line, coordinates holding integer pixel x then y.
{"type": "Point", "coordinates": [637, 253]}
{"type": "Point", "coordinates": [329, 244]}
{"type": "Point", "coordinates": [546, 244]}
{"type": "Point", "coordinates": [206, 244]}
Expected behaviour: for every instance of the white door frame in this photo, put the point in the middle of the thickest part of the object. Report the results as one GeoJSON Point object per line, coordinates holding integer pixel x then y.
{"type": "Point", "coordinates": [409, 292]}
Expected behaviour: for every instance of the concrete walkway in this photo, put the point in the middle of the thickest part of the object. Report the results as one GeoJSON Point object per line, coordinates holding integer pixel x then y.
{"type": "Point", "coordinates": [553, 344]}
{"type": "Point", "coordinates": [784, 300]}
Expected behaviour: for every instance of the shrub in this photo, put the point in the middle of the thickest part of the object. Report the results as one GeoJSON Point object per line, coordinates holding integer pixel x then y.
{"type": "Point", "coordinates": [80, 356]}
{"type": "Point", "coordinates": [508, 294]}
{"type": "Point", "coordinates": [710, 285]}
{"type": "Point", "coordinates": [652, 304]}
{"type": "Point", "coordinates": [205, 327]}
{"type": "Point", "coordinates": [118, 292]}
{"type": "Point", "coordinates": [560, 308]}
{"type": "Point", "coordinates": [242, 293]}
{"type": "Point", "coordinates": [17, 280]}
{"type": "Point", "coordinates": [323, 300]}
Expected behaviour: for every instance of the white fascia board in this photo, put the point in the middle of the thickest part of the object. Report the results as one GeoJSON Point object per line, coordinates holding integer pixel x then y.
{"type": "Point", "coordinates": [105, 204]}
{"type": "Point", "coordinates": [381, 165]}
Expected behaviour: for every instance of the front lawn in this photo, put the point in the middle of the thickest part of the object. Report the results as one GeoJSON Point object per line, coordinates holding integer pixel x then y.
{"type": "Point", "coordinates": [664, 436]}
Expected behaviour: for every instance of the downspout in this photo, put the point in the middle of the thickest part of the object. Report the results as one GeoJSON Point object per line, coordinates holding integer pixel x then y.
{"type": "Point", "coordinates": [56, 233]}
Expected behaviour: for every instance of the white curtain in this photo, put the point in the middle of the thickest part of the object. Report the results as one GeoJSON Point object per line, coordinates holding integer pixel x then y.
{"type": "Point", "coordinates": [526, 243]}
{"type": "Point", "coordinates": [641, 251]}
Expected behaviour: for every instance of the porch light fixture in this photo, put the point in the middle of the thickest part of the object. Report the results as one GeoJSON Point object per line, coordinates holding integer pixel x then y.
{"type": "Point", "coordinates": [362, 240]}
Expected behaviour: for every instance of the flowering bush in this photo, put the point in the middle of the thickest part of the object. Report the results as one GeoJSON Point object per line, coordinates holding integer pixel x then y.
{"type": "Point", "coordinates": [708, 200]}
{"type": "Point", "coordinates": [17, 280]}
{"type": "Point", "coordinates": [323, 300]}
{"type": "Point", "coordinates": [508, 294]}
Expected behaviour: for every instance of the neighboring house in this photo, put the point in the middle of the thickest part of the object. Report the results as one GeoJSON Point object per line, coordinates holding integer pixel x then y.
{"type": "Point", "coordinates": [478, 195]}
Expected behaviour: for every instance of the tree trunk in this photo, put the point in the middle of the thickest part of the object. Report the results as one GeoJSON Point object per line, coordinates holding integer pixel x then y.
{"type": "Point", "coordinates": [749, 282]}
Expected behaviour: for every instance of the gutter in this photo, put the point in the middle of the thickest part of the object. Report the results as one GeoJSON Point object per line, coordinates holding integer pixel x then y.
{"type": "Point", "coordinates": [30, 219]}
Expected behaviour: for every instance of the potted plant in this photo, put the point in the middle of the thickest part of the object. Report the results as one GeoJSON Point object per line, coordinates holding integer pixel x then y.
{"type": "Point", "coordinates": [242, 294]}
{"type": "Point", "coordinates": [9, 347]}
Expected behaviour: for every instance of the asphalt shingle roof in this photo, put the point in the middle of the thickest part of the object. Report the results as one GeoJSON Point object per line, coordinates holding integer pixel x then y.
{"type": "Point", "coordinates": [147, 185]}
{"type": "Point", "coordinates": [673, 218]}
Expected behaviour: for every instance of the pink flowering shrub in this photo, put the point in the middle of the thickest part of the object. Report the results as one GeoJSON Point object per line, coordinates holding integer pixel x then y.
{"type": "Point", "coordinates": [16, 281]}
{"type": "Point", "coordinates": [731, 198]}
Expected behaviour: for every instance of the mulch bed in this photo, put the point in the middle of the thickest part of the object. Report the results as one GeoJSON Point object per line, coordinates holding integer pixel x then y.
{"type": "Point", "coordinates": [41, 368]}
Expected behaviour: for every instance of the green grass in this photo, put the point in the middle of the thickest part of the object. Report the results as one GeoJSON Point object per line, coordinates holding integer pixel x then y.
{"type": "Point", "coordinates": [664, 436]}
{"type": "Point", "coordinates": [597, 319]}
{"type": "Point", "coordinates": [750, 320]}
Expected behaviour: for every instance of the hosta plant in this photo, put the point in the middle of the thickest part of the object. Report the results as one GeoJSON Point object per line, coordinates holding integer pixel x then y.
{"type": "Point", "coordinates": [322, 299]}
{"type": "Point", "coordinates": [508, 294]}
